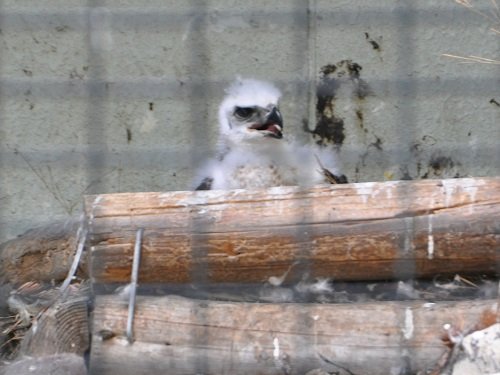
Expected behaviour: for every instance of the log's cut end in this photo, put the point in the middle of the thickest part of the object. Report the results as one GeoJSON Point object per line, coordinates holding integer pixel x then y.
{"type": "Point", "coordinates": [366, 231]}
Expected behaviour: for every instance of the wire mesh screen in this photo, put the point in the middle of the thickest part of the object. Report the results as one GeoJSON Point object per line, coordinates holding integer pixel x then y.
{"type": "Point", "coordinates": [111, 96]}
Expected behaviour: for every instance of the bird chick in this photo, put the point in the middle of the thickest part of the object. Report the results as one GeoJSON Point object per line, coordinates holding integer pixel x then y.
{"type": "Point", "coordinates": [253, 152]}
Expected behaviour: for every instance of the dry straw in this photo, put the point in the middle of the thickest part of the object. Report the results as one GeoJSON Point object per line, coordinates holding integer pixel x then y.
{"type": "Point", "coordinates": [492, 17]}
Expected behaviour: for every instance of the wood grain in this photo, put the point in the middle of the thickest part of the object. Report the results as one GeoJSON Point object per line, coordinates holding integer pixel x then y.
{"type": "Point", "coordinates": [62, 328]}
{"type": "Point", "coordinates": [175, 335]}
{"type": "Point", "coordinates": [367, 231]}
{"type": "Point", "coordinates": [42, 254]}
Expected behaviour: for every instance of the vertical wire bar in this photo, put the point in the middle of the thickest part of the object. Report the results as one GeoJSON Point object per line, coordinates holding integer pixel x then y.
{"type": "Point", "coordinates": [496, 152]}
{"type": "Point", "coordinates": [133, 284]}
{"type": "Point", "coordinates": [311, 40]}
{"type": "Point", "coordinates": [200, 77]}
{"type": "Point", "coordinates": [198, 93]}
{"type": "Point", "coordinates": [3, 175]}
{"type": "Point", "coordinates": [96, 156]}
{"type": "Point", "coordinates": [406, 91]}
{"type": "Point", "coordinates": [302, 264]}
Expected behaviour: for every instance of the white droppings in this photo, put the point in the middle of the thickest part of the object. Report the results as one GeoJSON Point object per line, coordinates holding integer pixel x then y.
{"type": "Point", "coordinates": [408, 326]}
{"type": "Point", "coordinates": [189, 26]}
{"type": "Point", "coordinates": [449, 190]}
{"type": "Point", "coordinates": [97, 200]}
{"type": "Point", "coordinates": [315, 317]}
{"type": "Point", "coordinates": [430, 248]}
{"type": "Point", "coordinates": [472, 191]}
{"type": "Point", "coordinates": [275, 280]}
{"type": "Point", "coordinates": [388, 192]}
{"type": "Point", "coordinates": [429, 305]}
{"type": "Point", "coordinates": [379, 107]}
{"type": "Point", "coordinates": [454, 186]}
{"type": "Point", "coordinates": [198, 197]}
{"type": "Point", "coordinates": [320, 286]}
{"type": "Point", "coordinates": [365, 185]}
{"type": "Point", "coordinates": [148, 122]}
{"type": "Point", "coordinates": [123, 292]}
{"type": "Point", "coordinates": [276, 295]}
{"type": "Point", "coordinates": [369, 189]}
{"type": "Point", "coordinates": [121, 340]}
{"type": "Point", "coordinates": [278, 280]}
{"type": "Point", "coordinates": [95, 203]}
{"type": "Point", "coordinates": [364, 198]}
{"type": "Point", "coordinates": [430, 240]}
{"type": "Point", "coordinates": [407, 243]}
{"type": "Point", "coordinates": [364, 190]}
{"type": "Point", "coordinates": [447, 326]}
{"type": "Point", "coordinates": [276, 351]}
{"type": "Point", "coordinates": [409, 230]}
{"type": "Point", "coordinates": [101, 37]}
{"type": "Point", "coordinates": [407, 290]}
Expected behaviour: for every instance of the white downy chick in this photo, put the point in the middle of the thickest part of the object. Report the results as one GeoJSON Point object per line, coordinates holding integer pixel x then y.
{"type": "Point", "coordinates": [252, 150]}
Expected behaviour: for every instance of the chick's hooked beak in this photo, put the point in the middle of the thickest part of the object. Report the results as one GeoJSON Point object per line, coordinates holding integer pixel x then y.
{"type": "Point", "coordinates": [272, 125]}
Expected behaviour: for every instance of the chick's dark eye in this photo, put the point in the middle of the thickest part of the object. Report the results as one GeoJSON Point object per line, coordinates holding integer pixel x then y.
{"type": "Point", "coordinates": [244, 112]}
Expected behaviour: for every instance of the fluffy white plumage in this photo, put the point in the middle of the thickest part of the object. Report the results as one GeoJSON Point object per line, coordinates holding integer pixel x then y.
{"type": "Point", "coordinates": [252, 151]}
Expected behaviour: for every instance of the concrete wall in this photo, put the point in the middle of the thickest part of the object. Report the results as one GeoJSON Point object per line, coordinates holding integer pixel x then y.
{"type": "Point", "coordinates": [122, 95]}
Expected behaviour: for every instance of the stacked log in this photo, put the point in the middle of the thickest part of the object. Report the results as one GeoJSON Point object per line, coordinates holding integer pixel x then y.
{"type": "Point", "coordinates": [175, 335]}
{"type": "Point", "coordinates": [371, 231]}
{"type": "Point", "coordinates": [368, 231]}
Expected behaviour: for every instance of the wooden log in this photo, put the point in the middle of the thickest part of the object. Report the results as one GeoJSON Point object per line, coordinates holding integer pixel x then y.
{"type": "Point", "coordinates": [60, 364]}
{"type": "Point", "coordinates": [367, 231]}
{"type": "Point", "coordinates": [175, 335]}
{"type": "Point", "coordinates": [42, 254]}
{"type": "Point", "coordinates": [62, 328]}
{"type": "Point", "coordinates": [44, 320]}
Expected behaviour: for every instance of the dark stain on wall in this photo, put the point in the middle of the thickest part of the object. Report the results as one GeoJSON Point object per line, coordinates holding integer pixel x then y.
{"type": "Point", "coordinates": [360, 117]}
{"type": "Point", "coordinates": [375, 45]}
{"type": "Point", "coordinates": [442, 166]}
{"type": "Point", "coordinates": [329, 125]}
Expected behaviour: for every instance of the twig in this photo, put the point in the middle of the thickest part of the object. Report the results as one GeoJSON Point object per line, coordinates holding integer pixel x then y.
{"type": "Point", "coordinates": [473, 59]}
{"type": "Point", "coordinates": [335, 364]}
{"type": "Point", "coordinates": [76, 261]}
{"type": "Point", "coordinates": [330, 177]}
